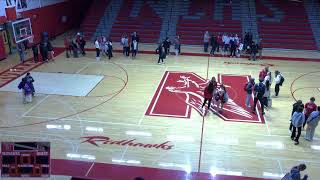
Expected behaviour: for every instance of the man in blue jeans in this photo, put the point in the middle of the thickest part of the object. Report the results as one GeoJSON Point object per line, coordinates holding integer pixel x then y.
{"type": "Point", "coordinates": [259, 90]}
{"type": "Point", "coordinates": [294, 174]}
{"type": "Point", "coordinates": [249, 89]}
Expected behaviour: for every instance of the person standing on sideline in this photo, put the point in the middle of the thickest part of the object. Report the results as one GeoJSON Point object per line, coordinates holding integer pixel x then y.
{"type": "Point", "coordinates": [50, 50]}
{"type": "Point", "coordinates": [297, 120]}
{"type": "Point", "coordinates": [206, 38]}
{"type": "Point", "coordinates": [166, 45]}
{"type": "Point", "coordinates": [294, 174]}
{"type": "Point", "coordinates": [109, 50]}
{"type": "Point", "coordinates": [260, 47]}
{"type": "Point", "coordinates": [134, 47]}
{"type": "Point", "coordinates": [82, 45]}
{"type": "Point", "coordinates": [35, 51]}
{"type": "Point", "coordinates": [126, 46]}
{"type": "Point", "coordinates": [213, 43]}
{"type": "Point", "coordinates": [309, 107]}
{"type": "Point", "coordinates": [233, 47]}
{"type": "Point", "coordinates": [44, 51]}
{"type": "Point", "coordinates": [21, 52]}
{"type": "Point", "coordinates": [208, 93]}
{"type": "Point", "coordinates": [177, 45]}
{"type": "Point", "coordinates": [253, 51]}
{"type": "Point", "coordinates": [278, 81]}
{"type": "Point", "coordinates": [219, 42]}
{"type": "Point", "coordinates": [136, 37]}
{"type": "Point", "coordinates": [295, 108]}
{"type": "Point", "coordinates": [259, 90]}
{"type": "Point", "coordinates": [312, 123]}
{"type": "Point", "coordinates": [67, 46]}
{"type": "Point", "coordinates": [161, 51]}
{"type": "Point", "coordinates": [97, 46]}
{"type": "Point", "coordinates": [122, 43]}
{"type": "Point", "coordinates": [249, 88]}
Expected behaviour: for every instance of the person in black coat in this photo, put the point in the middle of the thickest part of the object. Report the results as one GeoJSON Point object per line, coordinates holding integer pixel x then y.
{"type": "Point", "coordinates": [50, 50]}
{"type": "Point", "coordinates": [35, 51]}
{"type": "Point", "coordinates": [253, 51]}
{"type": "Point", "coordinates": [166, 45]}
{"type": "Point", "coordinates": [82, 44]}
{"type": "Point", "coordinates": [44, 51]}
{"type": "Point", "coordinates": [161, 52]}
{"type": "Point", "coordinates": [74, 48]}
{"type": "Point", "coordinates": [136, 37]}
{"type": "Point", "coordinates": [109, 51]}
{"type": "Point", "coordinates": [233, 47]}
{"type": "Point", "coordinates": [213, 43]}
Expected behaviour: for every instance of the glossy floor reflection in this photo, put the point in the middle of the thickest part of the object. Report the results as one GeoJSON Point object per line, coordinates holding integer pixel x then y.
{"type": "Point", "coordinates": [110, 124]}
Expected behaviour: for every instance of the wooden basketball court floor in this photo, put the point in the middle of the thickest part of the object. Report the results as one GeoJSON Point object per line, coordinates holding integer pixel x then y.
{"type": "Point", "coordinates": [112, 125]}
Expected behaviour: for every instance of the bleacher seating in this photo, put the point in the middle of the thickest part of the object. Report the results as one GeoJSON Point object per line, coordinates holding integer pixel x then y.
{"type": "Point", "coordinates": [147, 23]}
{"type": "Point", "coordinates": [192, 27]}
{"type": "Point", "coordinates": [291, 32]}
{"type": "Point", "coordinates": [281, 24]}
{"type": "Point", "coordinates": [92, 18]}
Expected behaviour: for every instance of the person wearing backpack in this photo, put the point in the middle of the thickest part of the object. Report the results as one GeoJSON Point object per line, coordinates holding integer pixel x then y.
{"type": "Point", "coordinates": [259, 90]}
{"type": "Point", "coordinates": [297, 120]}
{"type": "Point", "coordinates": [295, 108]}
{"type": "Point", "coordinates": [279, 79]}
{"type": "Point", "coordinates": [294, 173]}
{"type": "Point", "coordinates": [312, 123]}
{"type": "Point", "coordinates": [248, 87]}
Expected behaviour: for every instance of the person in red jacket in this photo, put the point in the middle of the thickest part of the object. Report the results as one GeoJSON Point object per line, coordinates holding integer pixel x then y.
{"type": "Point", "coordinates": [208, 93]}
{"type": "Point", "coordinates": [263, 73]}
{"type": "Point", "coordinates": [309, 107]}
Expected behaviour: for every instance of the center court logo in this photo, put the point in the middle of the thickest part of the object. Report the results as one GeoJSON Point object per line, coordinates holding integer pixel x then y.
{"type": "Point", "coordinates": [180, 92]}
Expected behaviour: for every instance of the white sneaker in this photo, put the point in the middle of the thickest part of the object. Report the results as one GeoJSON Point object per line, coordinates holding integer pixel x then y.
{"type": "Point", "coordinates": [159, 62]}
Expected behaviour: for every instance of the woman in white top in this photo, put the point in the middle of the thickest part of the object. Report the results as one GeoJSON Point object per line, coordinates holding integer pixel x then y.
{"type": "Point", "coordinates": [268, 78]}
{"type": "Point", "coordinates": [134, 48]}
{"type": "Point", "coordinates": [206, 38]}
{"type": "Point", "coordinates": [97, 46]}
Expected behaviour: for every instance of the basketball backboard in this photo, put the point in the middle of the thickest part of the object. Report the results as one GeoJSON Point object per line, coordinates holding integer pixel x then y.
{"type": "Point", "coordinates": [22, 30]}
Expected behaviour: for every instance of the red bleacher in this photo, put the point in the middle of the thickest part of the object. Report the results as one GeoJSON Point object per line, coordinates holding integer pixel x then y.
{"type": "Point", "coordinates": [93, 17]}
{"type": "Point", "coordinates": [192, 30]}
{"type": "Point", "coordinates": [147, 24]}
{"type": "Point", "coordinates": [292, 32]}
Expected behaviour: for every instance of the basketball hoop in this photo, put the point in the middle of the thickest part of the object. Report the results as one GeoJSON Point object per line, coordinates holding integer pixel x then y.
{"type": "Point", "coordinates": [22, 30]}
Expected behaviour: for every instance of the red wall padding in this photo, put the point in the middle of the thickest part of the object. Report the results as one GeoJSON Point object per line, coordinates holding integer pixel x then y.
{"type": "Point", "coordinates": [48, 19]}
{"type": "Point", "coordinates": [3, 54]}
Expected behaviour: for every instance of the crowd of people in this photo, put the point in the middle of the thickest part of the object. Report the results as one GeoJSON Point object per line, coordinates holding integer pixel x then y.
{"type": "Point", "coordinates": [103, 46]}
{"type": "Point", "coordinates": [75, 45]}
{"type": "Point", "coordinates": [301, 116]}
{"type": "Point", "coordinates": [214, 93]}
{"type": "Point", "coordinates": [232, 45]}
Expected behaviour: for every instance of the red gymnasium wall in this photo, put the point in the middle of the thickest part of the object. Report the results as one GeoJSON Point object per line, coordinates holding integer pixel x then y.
{"type": "Point", "coordinates": [49, 18]}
